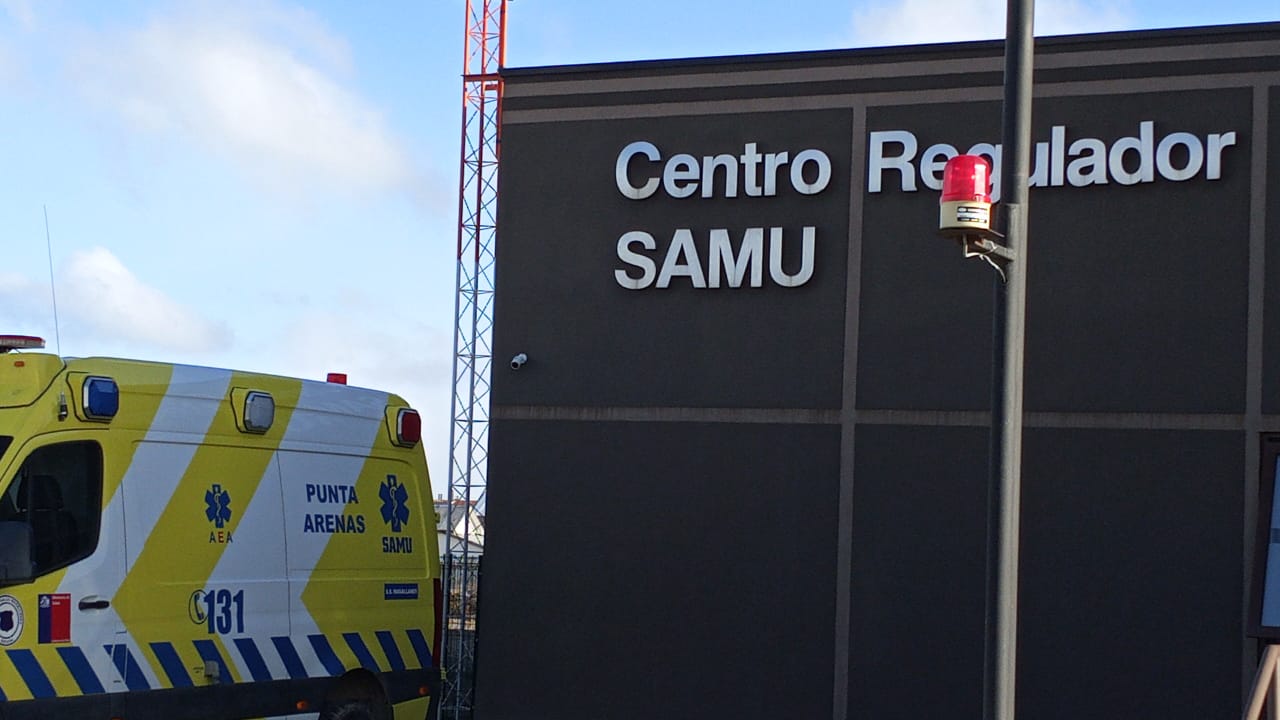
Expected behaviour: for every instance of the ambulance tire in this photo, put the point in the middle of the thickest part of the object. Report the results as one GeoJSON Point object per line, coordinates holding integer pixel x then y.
{"type": "Point", "coordinates": [353, 710]}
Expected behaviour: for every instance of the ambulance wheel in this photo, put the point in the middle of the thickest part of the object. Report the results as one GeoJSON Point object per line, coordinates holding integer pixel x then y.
{"type": "Point", "coordinates": [353, 710]}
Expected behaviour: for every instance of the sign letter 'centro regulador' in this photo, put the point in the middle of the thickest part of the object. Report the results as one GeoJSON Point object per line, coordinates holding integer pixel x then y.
{"type": "Point", "coordinates": [721, 257]}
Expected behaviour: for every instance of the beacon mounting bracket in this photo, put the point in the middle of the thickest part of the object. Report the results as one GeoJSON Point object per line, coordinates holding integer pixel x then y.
{"type": "Point", "coordinates": [965, 211]}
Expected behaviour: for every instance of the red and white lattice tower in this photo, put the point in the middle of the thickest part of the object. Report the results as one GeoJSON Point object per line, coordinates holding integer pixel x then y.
{"type": "Point", "coordinates": [484, 54]}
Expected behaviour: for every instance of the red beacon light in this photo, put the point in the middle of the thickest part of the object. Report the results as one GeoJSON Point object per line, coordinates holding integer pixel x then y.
{"type": "Point", "coordinates": [965, 210]}
{"type": "Point", "coordinates": [966, 196]}
{"type": "Point", "coordinates": [20, 342]}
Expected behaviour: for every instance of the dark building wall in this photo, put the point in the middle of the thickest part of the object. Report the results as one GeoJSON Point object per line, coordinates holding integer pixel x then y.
{"type": "Point", "coordinates": [765, 347]}
{"type": "Point", "coordinates": [769, 501]}
{"type": "Point", "coordinates": [1139, 292]}
{"type": "Point", "coordinates": [1132, 547]}
{"type": "Point", "coordinates": [649, 588]}
{"type": "Point", "coordinates": [1269, 197]}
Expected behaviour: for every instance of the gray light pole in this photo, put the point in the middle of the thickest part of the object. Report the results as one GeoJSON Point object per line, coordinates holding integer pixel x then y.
{"type": "Point", "coordinates": [1009, 330]}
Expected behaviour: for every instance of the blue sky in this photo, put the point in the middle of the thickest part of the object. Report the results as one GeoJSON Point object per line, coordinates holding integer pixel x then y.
{"type": "Point", "coordinates": [272, 186]}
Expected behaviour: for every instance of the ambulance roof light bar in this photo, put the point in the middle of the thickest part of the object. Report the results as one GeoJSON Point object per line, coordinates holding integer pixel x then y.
{"type": "Point", "coordinates": [20, 342]}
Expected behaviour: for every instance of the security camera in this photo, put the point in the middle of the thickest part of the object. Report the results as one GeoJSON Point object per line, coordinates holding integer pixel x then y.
{"type": "Point", "coordinates": [518, 361]}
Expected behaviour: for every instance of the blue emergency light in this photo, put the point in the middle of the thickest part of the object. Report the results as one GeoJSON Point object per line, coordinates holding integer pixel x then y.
{"type": "Point", "coordinates": [101, 399]}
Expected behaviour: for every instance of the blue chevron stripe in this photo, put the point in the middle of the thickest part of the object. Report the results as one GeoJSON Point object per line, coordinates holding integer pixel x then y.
{"type": "Point", "coordinates": [389, 647]}
{"type": "Point", "coordinates": [172, 664]}
{"type": "Point", "coordinates": [356, 643]}
{"type": "Point", "coordinates": [32, 674]}
{"type": "Point", "coordinates": [123, 658]}
{"type": "Point", "coordinates": [73, 657]}
{"type": "Point", "coordinates": [209, 653]}
{"type": "Point", "coordinates": [289, 656]}
{"type": "Point", "coordinates": [128, 667]}
{"type": "Point", "coordinates": [252, 658]}
{"type": "Point", "coordinates": [420, 647]}
{"type": "Point", "coordinates": [327, 656]}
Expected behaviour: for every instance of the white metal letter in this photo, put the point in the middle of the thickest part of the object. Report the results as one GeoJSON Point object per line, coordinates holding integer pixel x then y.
{"type": "Point", "coordinates": [877, 163]}
{"type": "Point", "coordinates": [750, 255]}
{"type": "Point", "coordinates": [1141, 145]}
{"type": "Point", "coordinates": [1040, 175]}
{"type": "Point", "coordinates": [635, 259]}
{"type": "Point", "coordinates": [750, 161]}
{"type": "Point", "coordinates": [775, 259]}
{"type": "Point", "coordinates": [640, 147]}
{"type": "Point", "coordinates": [1090, 169]}
{"type": "Point", "coordinates": [730, 165]}
{"type": "Point", "coordinates": [933, 161]}
{"type": "Point", "coordinates": [682, 245]}
{"type": "Point", "coordinates": [681, 168]}
{"type": "Point", "coordinates": [1213, 169]}
{"type": "Point", "coordinates": [1195, 156]}
{"type": "Point", "coordinates": [797, 172]}
{"type": "Point", "coordinates": [1058, 161]}
{"type": "Point", "coordinates": [772, 162]}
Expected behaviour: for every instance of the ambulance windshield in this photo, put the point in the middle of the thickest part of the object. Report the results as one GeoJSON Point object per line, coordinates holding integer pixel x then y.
{"type": "Point", "coordinates": [5, 440]}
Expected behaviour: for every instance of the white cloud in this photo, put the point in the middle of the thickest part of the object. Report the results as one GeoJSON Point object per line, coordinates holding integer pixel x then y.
{"type": "Point", "coordinates": [22, 16]}
{"type": "Point", "coordinates": [24, 305]}
{"type": "Point", "coordinates": [413, 360]}
{"type": "Point", "coordinates": [13, 285]}
{"type": "Point", "coordinates": [259, 84]}
{"type": "Point", "coordinates": [9, 65]}
{"type": "Point", "coordinates": [103, 298]}
{"type": "Point", "coordinates": [21, 12]}
{"type": "Point", "coordinates": [903, 22]}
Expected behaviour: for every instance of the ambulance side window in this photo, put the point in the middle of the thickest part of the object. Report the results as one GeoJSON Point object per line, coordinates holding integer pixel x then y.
{"type": "Point", "coordinates": [58, 491]}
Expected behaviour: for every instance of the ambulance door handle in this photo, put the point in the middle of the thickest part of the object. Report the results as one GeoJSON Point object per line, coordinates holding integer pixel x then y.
{"type": "Point", "coordinates": [93, 603]}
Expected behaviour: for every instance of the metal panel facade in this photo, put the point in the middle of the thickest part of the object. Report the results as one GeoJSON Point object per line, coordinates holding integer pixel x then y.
{"type": "Point", "coordinates": [734, 483]}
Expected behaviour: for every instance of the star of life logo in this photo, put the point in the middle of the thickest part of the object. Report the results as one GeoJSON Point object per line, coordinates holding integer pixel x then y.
{"type": "Point", "coordinates": [395, 503]}
{"type": "Point", "coordinates": [395, 513]}
{"type": "Point", "coordinates": [217, 506]}
{"type": "Point", "coordinates": [217, 501]}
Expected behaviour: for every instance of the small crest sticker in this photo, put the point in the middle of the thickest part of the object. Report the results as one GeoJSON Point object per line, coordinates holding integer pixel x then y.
{"type": "Point", "coordinates": [10, 620]}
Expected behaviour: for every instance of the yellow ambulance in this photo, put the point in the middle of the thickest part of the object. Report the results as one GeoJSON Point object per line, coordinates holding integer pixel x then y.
{"type": "Point", "coordinates": [186, 542]}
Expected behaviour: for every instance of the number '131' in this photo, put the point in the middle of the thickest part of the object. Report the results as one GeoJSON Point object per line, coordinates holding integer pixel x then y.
{"type": "Point", "coordinates": [224, 610]}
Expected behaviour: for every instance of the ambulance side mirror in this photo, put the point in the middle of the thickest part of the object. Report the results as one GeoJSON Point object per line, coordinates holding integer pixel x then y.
{"type": "Point", "coordinates": [15, 553]}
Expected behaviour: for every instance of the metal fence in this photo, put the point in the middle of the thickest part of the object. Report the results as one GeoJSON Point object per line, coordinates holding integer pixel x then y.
{"type": "Point", "coordinates": [461, 587]}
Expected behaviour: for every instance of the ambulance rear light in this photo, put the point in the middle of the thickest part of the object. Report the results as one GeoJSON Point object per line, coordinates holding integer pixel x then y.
{"type": "Point", "coordinates": [20, 342]}
{"type": "Point", "coordinates": [100, 398]}
{"type": "Point", "coordinates": [408, 427]}
{"type": "Point", "coordinates": [336, 378]}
